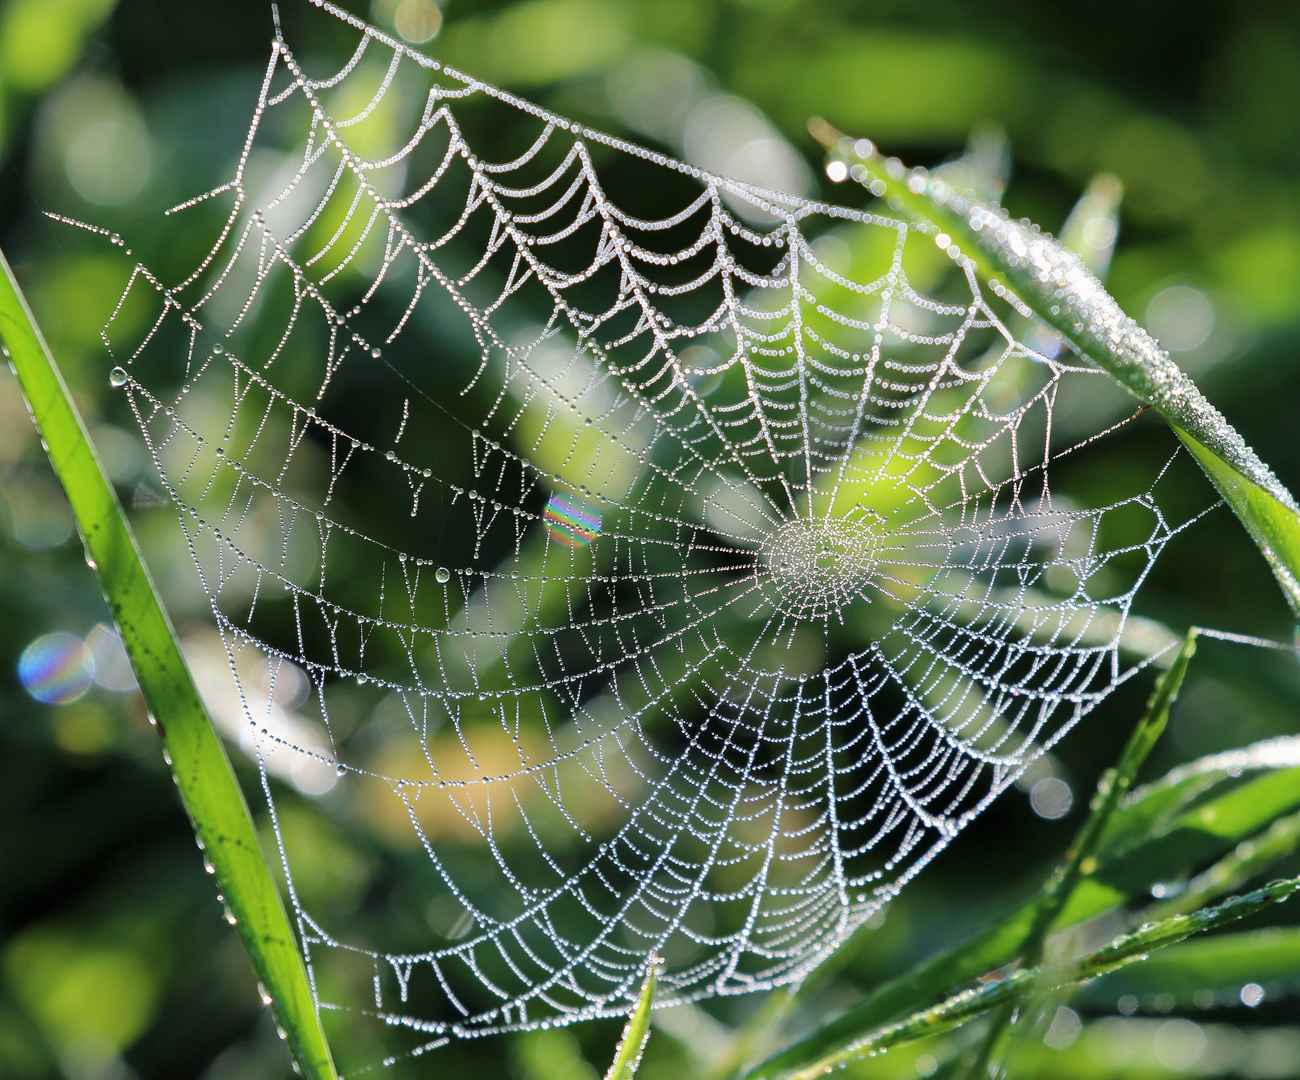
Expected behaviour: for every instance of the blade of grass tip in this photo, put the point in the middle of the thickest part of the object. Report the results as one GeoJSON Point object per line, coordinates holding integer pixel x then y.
{"type": "Point", "coordinates": [1058, 287]}
{"type": "Point", "coordinates": [756, 1037]}
{"type": "Point", "coordinates": [969, 1004]}
{"type": "Point", "coordinates": [636, 1032]}
{"type": "Point", "coordinates": [1081, 859]}
{"type": "Point", "coordinates": [207, 784]}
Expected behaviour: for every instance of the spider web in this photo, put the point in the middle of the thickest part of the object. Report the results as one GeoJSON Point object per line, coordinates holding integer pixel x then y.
{"type": "Point", "coordinates": [664, 585]}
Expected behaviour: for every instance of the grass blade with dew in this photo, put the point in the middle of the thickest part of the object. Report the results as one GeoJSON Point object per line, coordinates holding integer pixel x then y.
{"type": "Point", "coordinates": [207, 784]}
{"type": "Point", "coordinates": [1059, 289]}
{"type": "Point", "coordinates": [965, 1006]}
{"type": "Point", "coordinates": [1249, 859]}
{"type": "Point", "coordinates": [636, 1032]}
{"type": "Point", "coordinates": [1160, 832]}
{"type": "Point", "coordinates": [1225, 962]}
{"type": "Point", "coordinates": [1081, 860]}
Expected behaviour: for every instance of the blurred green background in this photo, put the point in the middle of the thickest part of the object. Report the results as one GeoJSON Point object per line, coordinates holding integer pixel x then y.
{"type": "Point", "coordinates": [114, 959]}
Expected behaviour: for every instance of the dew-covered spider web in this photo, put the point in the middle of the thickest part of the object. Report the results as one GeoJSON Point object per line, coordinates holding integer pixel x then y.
{"type": "Point", "coordinates": [658, 584]}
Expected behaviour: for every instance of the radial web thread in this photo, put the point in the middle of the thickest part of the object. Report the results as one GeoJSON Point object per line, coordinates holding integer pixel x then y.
{"type": "Point", "coordinates": [669, 585]}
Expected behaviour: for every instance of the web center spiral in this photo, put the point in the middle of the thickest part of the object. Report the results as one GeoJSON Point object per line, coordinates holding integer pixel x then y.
{"type": "Point", "coordinates": [818, 566]}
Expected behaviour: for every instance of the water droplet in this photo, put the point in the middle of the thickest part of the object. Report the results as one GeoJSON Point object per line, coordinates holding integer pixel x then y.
{"type": "Point", "coordinates": [442, 575]}
{"type": "Point", "coordinates": [118, 377]}
{"type": "Point", "coordinates": [320, 515]}
{"type": "Point", "coordinates": [261, 992]}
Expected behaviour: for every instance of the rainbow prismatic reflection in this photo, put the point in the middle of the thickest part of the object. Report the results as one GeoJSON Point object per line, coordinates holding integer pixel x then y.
{"type": "Point", "coordinates": [56, 668]}
{"type": "Point", "coordinates": [572, 521]}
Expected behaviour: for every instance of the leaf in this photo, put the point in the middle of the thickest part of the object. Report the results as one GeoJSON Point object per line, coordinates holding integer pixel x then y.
{"type": "Point", "coordinates": [1093, 225]}
{"type": "Point", "coordinates": [636, 1032]}
{"type": "Point", "coordinates": [1059, 289]}
{"type": "Point", "coordinates": [203, 775]}
{"type": "Point", "coordinates": [1247, 860]}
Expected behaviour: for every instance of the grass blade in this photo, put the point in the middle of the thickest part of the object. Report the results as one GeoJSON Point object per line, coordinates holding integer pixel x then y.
{"type": "Point", "coordinates": [1081, 860]}
{"type": "Point", "coordinates": [202, 771]}
{"type": "Point", "coordinates": [636, 1032]}
{"type": "Point", "coordinates": [965, 1006]}
{"type": "Point", "coordinates": [1059, 288]}
{"type": "Point", "coordinates": [1225, 961]}
{"type": "Point", "coordinates": [1247, 860]}
{"type": "Point", "coordinates": [1173, 826]}
{"type": "Point", "coordinates": [1112, 789]}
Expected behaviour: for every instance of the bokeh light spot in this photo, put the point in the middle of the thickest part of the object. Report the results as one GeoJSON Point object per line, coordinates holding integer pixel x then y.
{"type": "Point", "coordinates": [1181, 318]}
{"type": "Point", "coordinates": [1051, 798]}
{"type": "Point", "coordinates": [56, 668]}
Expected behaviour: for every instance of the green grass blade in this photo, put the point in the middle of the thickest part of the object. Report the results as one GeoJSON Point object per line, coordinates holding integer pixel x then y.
{"type": "Point", "coordinates": [1173, 826]}
{"type": "Point", "coordinates": [202, 771]}
{"type": "Point", "coordinates": [1006, 1029]}
{"type": "Point", "coordinates": [1221, 962]}
{"type": "Point", "coordinates": [1059, 288]}
{"type": "Point", "coordinates": [1247, 860]}
{"type": "Point", "coordinates": [1205, 831]}
{"type": "Point", "coordinates": [1114, 787]}
{"type": "Point", "coordinates": [636, 1032]}
{"type": "Point", "coordinates": [965, 1006]}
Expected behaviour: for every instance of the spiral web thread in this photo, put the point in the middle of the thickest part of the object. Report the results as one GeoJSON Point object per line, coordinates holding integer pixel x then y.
{"type": "Point", "coordinates": [719, 581]}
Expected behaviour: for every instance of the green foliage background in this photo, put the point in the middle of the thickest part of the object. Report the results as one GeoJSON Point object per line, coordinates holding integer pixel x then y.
{"type": "Point", "coordinates": [114, 958]}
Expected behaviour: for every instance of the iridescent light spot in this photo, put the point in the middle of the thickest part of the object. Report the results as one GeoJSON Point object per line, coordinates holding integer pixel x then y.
{"type": "Point", "coordinates": [571, 520]}
{"type": "Point", "coordinates": [56, 668]}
